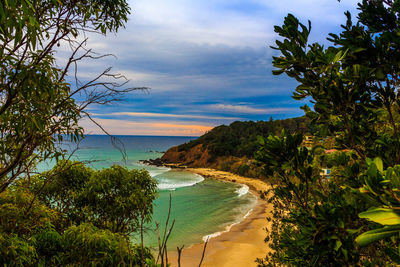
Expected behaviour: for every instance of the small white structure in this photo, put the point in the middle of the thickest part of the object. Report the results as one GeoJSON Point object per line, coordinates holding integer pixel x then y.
{"type": "Point", "coordinates": [308, 140]}
{"type": "Point", "coordinates": [325, 172]}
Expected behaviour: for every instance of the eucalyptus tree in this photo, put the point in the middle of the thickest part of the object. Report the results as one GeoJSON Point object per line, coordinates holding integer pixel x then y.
{"type": "Point", "coordinates": [114, 198]}
{"type": "Point", "coordinates": [41, 96]}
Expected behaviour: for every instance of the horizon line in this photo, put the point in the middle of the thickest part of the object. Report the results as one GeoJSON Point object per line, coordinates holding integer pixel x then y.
{"type": "Point", "coordinates": [141, 135]}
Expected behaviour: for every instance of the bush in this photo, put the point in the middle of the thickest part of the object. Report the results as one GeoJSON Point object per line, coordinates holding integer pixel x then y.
{"type": "Point", "coordinates": [86, 245]}
{"type": "Point", "coordinates": [15, 251]}
{"type": "Point", "coordinates": [114, 198]}
{"type": "Point", "coordinates": [73, 215]}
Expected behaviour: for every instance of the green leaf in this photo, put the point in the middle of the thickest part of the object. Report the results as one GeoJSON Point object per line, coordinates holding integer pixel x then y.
{"type": "Point", "coordinates": [34, 121]}
{"type": "Point", "coordinates": [338, 244]}
{"type": "Point", "coordinates": [393, 175]}
{"type": "Point", "coordinates": [371, 180]}
{"type": "Point", "coordinates": [30, 5]}
{"type": "Point", "coordinates": [380, 74]}
{"type": "Point", "coordinates": [378, 234]}
{"type": "Point", "coordinates": [379, 164]}
{"type": "Point", "coordinates": [382, 216]}
{"type": "Point", "coordinates": [340, 56]}
{"type": "Point", "coordinates": [354, 231]}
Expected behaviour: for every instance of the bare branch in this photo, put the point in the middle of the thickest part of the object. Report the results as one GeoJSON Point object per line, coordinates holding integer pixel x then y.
{"type": "Point", "coordinates": [179, 254]}
{"type": "Point", "coordinates": [204, 251]}
{"type": "Point", "coordinates": [116, 142]}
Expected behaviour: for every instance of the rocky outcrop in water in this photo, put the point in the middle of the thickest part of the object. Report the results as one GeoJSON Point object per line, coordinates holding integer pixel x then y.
{"type": "Point", "coordinates": [155, 162]}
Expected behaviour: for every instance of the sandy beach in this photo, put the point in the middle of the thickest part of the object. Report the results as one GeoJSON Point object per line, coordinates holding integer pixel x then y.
{"type": "Point", "coordinates": [244, 243]}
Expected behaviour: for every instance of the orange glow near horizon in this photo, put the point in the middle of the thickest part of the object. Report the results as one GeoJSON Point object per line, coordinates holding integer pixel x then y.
{"type": "Point", "coordinates": [123, 127]}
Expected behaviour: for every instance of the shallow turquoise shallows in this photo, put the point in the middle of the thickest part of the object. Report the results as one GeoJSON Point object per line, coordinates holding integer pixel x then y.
{"type": "Point", "coordinates": [200, 207]}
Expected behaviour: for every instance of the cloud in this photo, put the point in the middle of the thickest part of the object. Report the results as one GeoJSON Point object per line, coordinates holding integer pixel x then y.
{"type": "Point", "coordinates": [166, 115]}
{"type": "Point", "coordinates": [202, 58]}
{"type": "Point", "coordinates": [200, 22]}
{"type": "Point", "coordinates": [323, 12]}
{"type": "Point", "coordinates": [124, 127]}
{"type": "Point", "coordinates": [229, 22]}
{"type": "Point", "coordinates": [243, 109]}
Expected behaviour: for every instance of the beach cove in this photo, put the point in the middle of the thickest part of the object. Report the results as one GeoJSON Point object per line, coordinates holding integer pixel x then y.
{"type": "Point", "coordinates": [205, 202]}
{"type": "Point", "coordinates": [243, 242]}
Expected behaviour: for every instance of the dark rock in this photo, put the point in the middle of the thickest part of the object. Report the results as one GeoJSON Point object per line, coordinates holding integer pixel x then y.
{"type": "Point", "coordinates": [155, 162]}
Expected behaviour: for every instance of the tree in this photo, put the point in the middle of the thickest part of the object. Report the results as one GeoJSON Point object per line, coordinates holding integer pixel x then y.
{"type": "Point", "coordinates": [116, 199]}
{"type": "Point", "coordinates": [45, 220]}
{"type": "Point", "coordinates": [353, 86]}
{"type": "Point", "coordinates": [311, 214]}
{"type": "Point", "coordinates": [119, 199]}
{"type": "Point", "coordinates": [60, 189]}
{"type": "Point", "coordinates": [112, 249]}
{"type": "Point", "coordinates": [39, 103]}
{"type": "Point", "coordinates": [73, 215]}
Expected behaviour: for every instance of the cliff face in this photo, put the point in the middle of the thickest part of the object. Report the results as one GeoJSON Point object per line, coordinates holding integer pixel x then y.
{"type": "Point", "coordinates": [197, 156]}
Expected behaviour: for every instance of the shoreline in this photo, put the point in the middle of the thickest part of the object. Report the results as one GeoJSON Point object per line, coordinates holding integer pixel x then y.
{"type": "Point", "coordinates": [244, 242]}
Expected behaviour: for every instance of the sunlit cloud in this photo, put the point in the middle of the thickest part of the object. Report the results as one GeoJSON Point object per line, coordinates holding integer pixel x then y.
{"type": "Point", "coordinates": [243, 109]}
{"type": "Point", "coordinates": [124, 127]}
{"type": "Point", "coordinates": [166, 115]}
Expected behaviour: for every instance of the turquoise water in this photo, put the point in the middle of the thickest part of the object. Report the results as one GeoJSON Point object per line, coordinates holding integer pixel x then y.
{"type": "Point", "coordinates": [200, 207]}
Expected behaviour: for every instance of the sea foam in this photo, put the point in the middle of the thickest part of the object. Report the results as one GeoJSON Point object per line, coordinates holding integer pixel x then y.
{"type": "Point", "coordinates": [242, 190]}
{"type": "Point", "coordinates": [158, 171]}
{"type": "Point", "coordinates": [166, 184]}
{"type": "Point", "coordinates": [153, 170]}
{"type": "Point", "coordinates": [227, 228]}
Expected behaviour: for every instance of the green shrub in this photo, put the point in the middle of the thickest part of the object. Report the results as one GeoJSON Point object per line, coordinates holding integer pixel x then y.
{"type": "Point", "coordinates": [86, 245]}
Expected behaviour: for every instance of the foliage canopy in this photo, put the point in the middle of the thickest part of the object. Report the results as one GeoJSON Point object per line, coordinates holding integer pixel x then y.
{"type": "Point", "coordinates": [78, 218]}
{"type": "Point", "coordinates": [240, 138]}
{"type": "Point", "coordinates": [353, 86]}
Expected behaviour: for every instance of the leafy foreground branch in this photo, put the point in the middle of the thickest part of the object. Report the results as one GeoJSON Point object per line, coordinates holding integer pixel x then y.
{"type": "Point", "coordinates": [350, 217]}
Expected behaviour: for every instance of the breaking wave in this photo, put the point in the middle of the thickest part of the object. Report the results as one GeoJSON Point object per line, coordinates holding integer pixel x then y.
{"type": "Point", "coordinates": [242, 190]}
{"type": "Point", "coordinates": [227, 228]}
{"type": "Point", "coordinates": [158, 171]}
{"type": "Point", "coordinates": [172, 184]}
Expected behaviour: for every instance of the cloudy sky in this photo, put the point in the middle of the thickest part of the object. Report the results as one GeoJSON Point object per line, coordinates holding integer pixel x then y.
{"type": "Point", "coordinates": [207, 63]}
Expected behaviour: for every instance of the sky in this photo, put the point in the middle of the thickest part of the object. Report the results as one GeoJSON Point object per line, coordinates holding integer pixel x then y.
{"type": "Point", "coordinates": [206, 63]}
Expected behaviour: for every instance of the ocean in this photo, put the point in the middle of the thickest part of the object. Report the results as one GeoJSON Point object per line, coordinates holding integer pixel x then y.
{"type": "Point", "coordinates": [201, 207]}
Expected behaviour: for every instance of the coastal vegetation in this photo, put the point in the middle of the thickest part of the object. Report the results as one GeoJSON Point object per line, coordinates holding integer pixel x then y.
{"type": "Point", "coordinates": [350, 217]}
{"type": "Point", "coordinates": [71, 215]}
{"type": "Point", "coordinates": [76, 216]}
